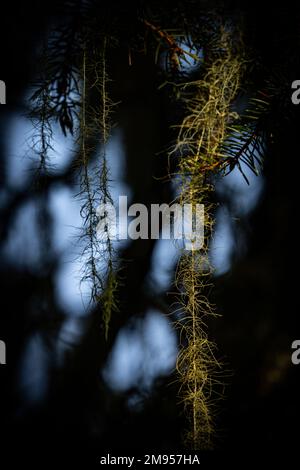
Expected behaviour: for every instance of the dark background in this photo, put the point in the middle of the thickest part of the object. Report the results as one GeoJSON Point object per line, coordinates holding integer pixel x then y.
{"type": "Point", "coordinates": [257, 297]}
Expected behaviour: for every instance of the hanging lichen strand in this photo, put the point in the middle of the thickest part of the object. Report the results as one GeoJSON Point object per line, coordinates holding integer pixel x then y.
{"type": "Point", "coordinates": [209, 117]}
{"type": "Point", "coordinates": [42, 116]}
{"type": "Point", "coordinates": [94, 131]}
{"type": "Point", "coordinates": [42, 137]}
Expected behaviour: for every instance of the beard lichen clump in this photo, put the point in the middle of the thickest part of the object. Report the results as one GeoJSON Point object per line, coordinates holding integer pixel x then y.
{"type": "Point", "coordinates": [211, 137]}
{"type": "Point", "coordinates": [209, 117]}
{"type": "Point", "coordinates": [94, 131]}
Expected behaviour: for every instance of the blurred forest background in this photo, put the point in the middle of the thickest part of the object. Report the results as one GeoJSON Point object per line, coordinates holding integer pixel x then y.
{"type": "Point", "coordinates": [64, 387]}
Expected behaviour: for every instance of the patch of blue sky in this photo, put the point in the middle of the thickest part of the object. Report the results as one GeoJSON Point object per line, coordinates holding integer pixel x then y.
{"type": "Point", "coordinates": [142, 352]}
{"type": "Point", "coordinates": [33, 371]}
{"type": "Point", "coordinates": [242, 198]}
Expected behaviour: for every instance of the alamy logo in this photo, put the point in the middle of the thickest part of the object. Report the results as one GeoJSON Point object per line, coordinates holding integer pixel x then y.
{"type": "Point", "coordinates": [296, 354]}
{"type": "Point", "coordinates": [2, 92]}
{"type": "Point", "coordinates": [2, 352]}
{"type": "Point", "coordinates": [296, 94]}
{"type": "Point", "coordinates": [179, 222]}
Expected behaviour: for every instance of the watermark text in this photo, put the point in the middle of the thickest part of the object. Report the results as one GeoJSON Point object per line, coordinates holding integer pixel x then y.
{"type": "Point", "coordinates": [179, 222]}
{"type": "Point", "coordinates": [2, 352]}
{"type": "Point", "coordinates": [296, 354]}
{"type": "Point", "coordinates": [2, 92]}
